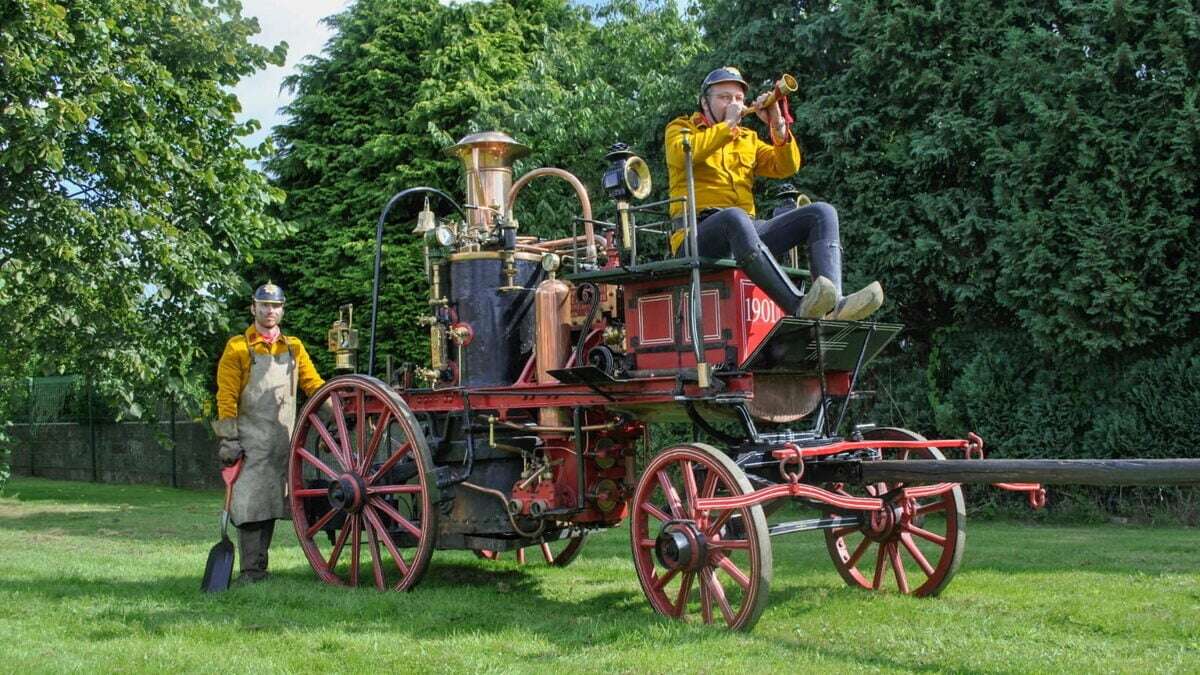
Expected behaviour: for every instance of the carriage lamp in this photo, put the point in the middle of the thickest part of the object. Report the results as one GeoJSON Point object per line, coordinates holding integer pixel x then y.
{"type": "Point", "coordinates": [627, 177]}
{"type": "Point", "coordinates": [342, 340]}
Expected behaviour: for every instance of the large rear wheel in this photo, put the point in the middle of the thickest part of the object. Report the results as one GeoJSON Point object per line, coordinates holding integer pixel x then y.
{"type": "Point", "coordinates": [691, 560]}
{"type": "Point", "coordinates": [362, 479]}
{"type": "Point", "coordinates": [914, 548]}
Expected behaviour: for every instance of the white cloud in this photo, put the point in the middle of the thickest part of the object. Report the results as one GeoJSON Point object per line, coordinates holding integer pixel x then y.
{"type": "Point", "coordinates": [297, 22]}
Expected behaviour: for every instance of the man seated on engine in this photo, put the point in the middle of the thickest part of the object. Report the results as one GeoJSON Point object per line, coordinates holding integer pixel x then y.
{"type": "Point", "coordinates": [725, 160]}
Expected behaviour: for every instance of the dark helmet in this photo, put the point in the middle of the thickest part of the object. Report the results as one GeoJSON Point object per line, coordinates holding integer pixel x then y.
{"type": "Point", "coordinates": [725, 74]}
{"type": "Point", "coordinates": [269, 292]}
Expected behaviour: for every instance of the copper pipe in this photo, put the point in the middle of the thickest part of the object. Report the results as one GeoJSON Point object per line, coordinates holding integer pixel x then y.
{"type": "Point", "coordinates": [554, 243]}
{"type": "Point", "coordinates": [532, 249]}
{"type": "Point", "coordinates": [585, 203]}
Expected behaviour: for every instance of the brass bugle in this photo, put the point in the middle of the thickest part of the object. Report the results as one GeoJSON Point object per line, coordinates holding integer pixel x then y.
{"type": "Point", "coordinates": [786, 84]}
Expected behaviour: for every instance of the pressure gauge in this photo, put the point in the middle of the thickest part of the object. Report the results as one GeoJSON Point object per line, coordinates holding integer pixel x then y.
{"type": "Point", "coordinates": [551, 262]}
{"type": "Point", "coordinates": [441, 236]}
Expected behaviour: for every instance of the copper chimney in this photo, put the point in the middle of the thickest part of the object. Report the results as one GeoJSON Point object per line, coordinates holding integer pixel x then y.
{"type": "Point", "coordinates": [487, 159]}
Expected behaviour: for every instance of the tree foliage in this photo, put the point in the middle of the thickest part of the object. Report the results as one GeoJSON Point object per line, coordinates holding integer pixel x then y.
{"type": "Point", "coordinates": [402, 81]}
{"type": "Point", "coordinates": [125, 195]}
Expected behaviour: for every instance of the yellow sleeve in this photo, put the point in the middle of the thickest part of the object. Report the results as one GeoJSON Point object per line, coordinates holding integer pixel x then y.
{"type": "Point", "coordinates": [704, 141]}
{"type": "Point", "coordinates": [231, 376]}
{"type": "Point", "coordinates": [309, 379]}
{"type": "Point", "coordinates": [777, 161]}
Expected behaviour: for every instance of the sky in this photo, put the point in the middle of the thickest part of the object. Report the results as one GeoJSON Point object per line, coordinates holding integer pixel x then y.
{"type": "Point", "coordinates": [297, 22]}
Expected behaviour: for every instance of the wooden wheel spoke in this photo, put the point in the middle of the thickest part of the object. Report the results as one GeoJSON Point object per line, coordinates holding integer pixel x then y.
{"type": "Point", "coordinates": [376, 523]}
{"type": "Point", "coordinates": [858, 552]}
{"type": "Point", "coordinates": [360, 426]}
{"type": "Point", "coordinates": [376, 560]}
{"type": "Point", "coordinates": [933, 507]}
{"type": "Point", "coordinates": [381, 426]}
{"type": "Point", "coordinates": [911, 546]}
{"type": "Point", "coordinates": [690, 491]}
{"type": "Point", "coordinates": [309, 493]}
{"type": "Point", "coordinates": [656, 512]}
{"type": "Point", "coordinates": [717, 592]}
{"type": "Point", "coordinates": [661, 582]}
{"type": "Point", "coordinates": [672, 496]}
{"type": "Point", "coordinates": [312, 459]}
{"type": "Point", "coordinates": [324, 520]}
{"type": "Point", "coordinates": [647, 543]}
{"type": "Point", "coordinates": [339, 453]}
{"type": "Point", "coordinates": [339, 418]}
{"type": "Point", "coordinates": [705, 598]}
{"type": "Point", "coordinates": [898, 568]}
{"type": "Point", "coordinates": [880, 559]}
{"type": "Point", "coordinates": [925, 534]}
{"type": "Point", "coordinates": [715, 528]}
{"type": "Point", "coordinates": [391, 461]}
{"type": "Point", "coordinates": [709, 488]}
{"type": "Point", "coordinates": [741, 544]}
{"type": "Point", "coordinates": [355, 548]}
{"type": "Point", "coordinates": [681, 597]}
{"type": "Point", "coordinates": [338, 545]}
{"type": "Point", "coordinates": [395, 515]}
{"type": "Point", "coordinates": [734, 572]}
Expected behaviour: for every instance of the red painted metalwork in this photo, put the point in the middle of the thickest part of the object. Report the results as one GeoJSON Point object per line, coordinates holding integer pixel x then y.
{"type": "Point", "coordinates": [929, 534]}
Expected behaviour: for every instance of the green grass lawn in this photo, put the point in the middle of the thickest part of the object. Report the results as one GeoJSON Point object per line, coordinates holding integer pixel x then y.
{"type": "Point", "coordinates": [106, 577]}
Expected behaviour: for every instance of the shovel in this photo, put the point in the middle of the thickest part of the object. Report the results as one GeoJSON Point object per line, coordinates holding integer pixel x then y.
{"type": "Point", "coordinates": [219, 569]}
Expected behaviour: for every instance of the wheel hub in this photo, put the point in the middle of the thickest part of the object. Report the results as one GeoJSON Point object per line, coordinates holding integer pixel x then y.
{"type": "Point", "coordinates": [884, 523]}
{"type": "Point", "coordinates": [681, 545]}
{"type": "Point", "coordinates": [348, 493]}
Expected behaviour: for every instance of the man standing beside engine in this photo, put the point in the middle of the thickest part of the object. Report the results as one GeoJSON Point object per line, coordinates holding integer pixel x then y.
{"type": "Point", "coordinates": [726, 158]}
{"type": "Point", "coordinates": [257, 379]}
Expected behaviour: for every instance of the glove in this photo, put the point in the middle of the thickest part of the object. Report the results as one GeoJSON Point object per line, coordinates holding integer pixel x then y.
{"type": "Point", "coordinates": [230, 451]}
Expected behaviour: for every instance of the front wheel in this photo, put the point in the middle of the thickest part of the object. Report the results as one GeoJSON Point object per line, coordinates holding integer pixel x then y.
{"type": "Point", "coordinates": [916, 550]}
{"type": "Point", "coordinates": [692, 560]}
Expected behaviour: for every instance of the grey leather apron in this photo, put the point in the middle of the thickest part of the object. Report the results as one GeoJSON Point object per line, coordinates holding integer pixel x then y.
{"type": "Point", "coordinates": [266, 416]}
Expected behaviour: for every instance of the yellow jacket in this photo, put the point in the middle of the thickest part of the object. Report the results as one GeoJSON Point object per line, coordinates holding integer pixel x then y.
{"type": "Point", "coordinates": [725, 161]}
{"type": "Point", "coordinates": [234, 368]}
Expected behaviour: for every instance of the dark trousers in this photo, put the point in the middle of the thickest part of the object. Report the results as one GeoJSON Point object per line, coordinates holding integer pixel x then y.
{"type": "Point", "coordinates": [731, 233]}
{"type": "Point", "coordinates": [254, 540]}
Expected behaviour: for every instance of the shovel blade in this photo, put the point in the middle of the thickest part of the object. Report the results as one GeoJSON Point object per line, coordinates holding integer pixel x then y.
{"type": "Point", "coordinates": [219, 570]}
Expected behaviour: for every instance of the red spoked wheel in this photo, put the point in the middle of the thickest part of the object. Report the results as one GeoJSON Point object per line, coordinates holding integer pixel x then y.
{"type": "Point", "coordinates": [364, 479]}
{"type": "Point", "coordinates": [915, 548]}
{"type": "Point", "coordinates": [558, 553]}
{"type": "Point", "coordinates": [691, 560]}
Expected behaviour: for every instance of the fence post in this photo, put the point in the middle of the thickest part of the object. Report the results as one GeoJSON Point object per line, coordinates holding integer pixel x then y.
{"type": "Point", "coordinates": [29, 429]}
{"type": "Point", "coordinates": [174, 447]}
{"type": "Point", "coordinates": [92, 431]}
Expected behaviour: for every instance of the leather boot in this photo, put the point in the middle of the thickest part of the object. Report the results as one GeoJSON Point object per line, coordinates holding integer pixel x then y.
{"type": "Point", "coordinates": [764, 271]}
{"type": "Point", "coordinates": [254, 540]}
{"type": "Point", "coordinates": [859, 305]}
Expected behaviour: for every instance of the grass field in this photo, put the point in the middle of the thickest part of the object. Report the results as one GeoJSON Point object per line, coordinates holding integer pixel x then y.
{"type": "Point", "coordinates": [106, 577]}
